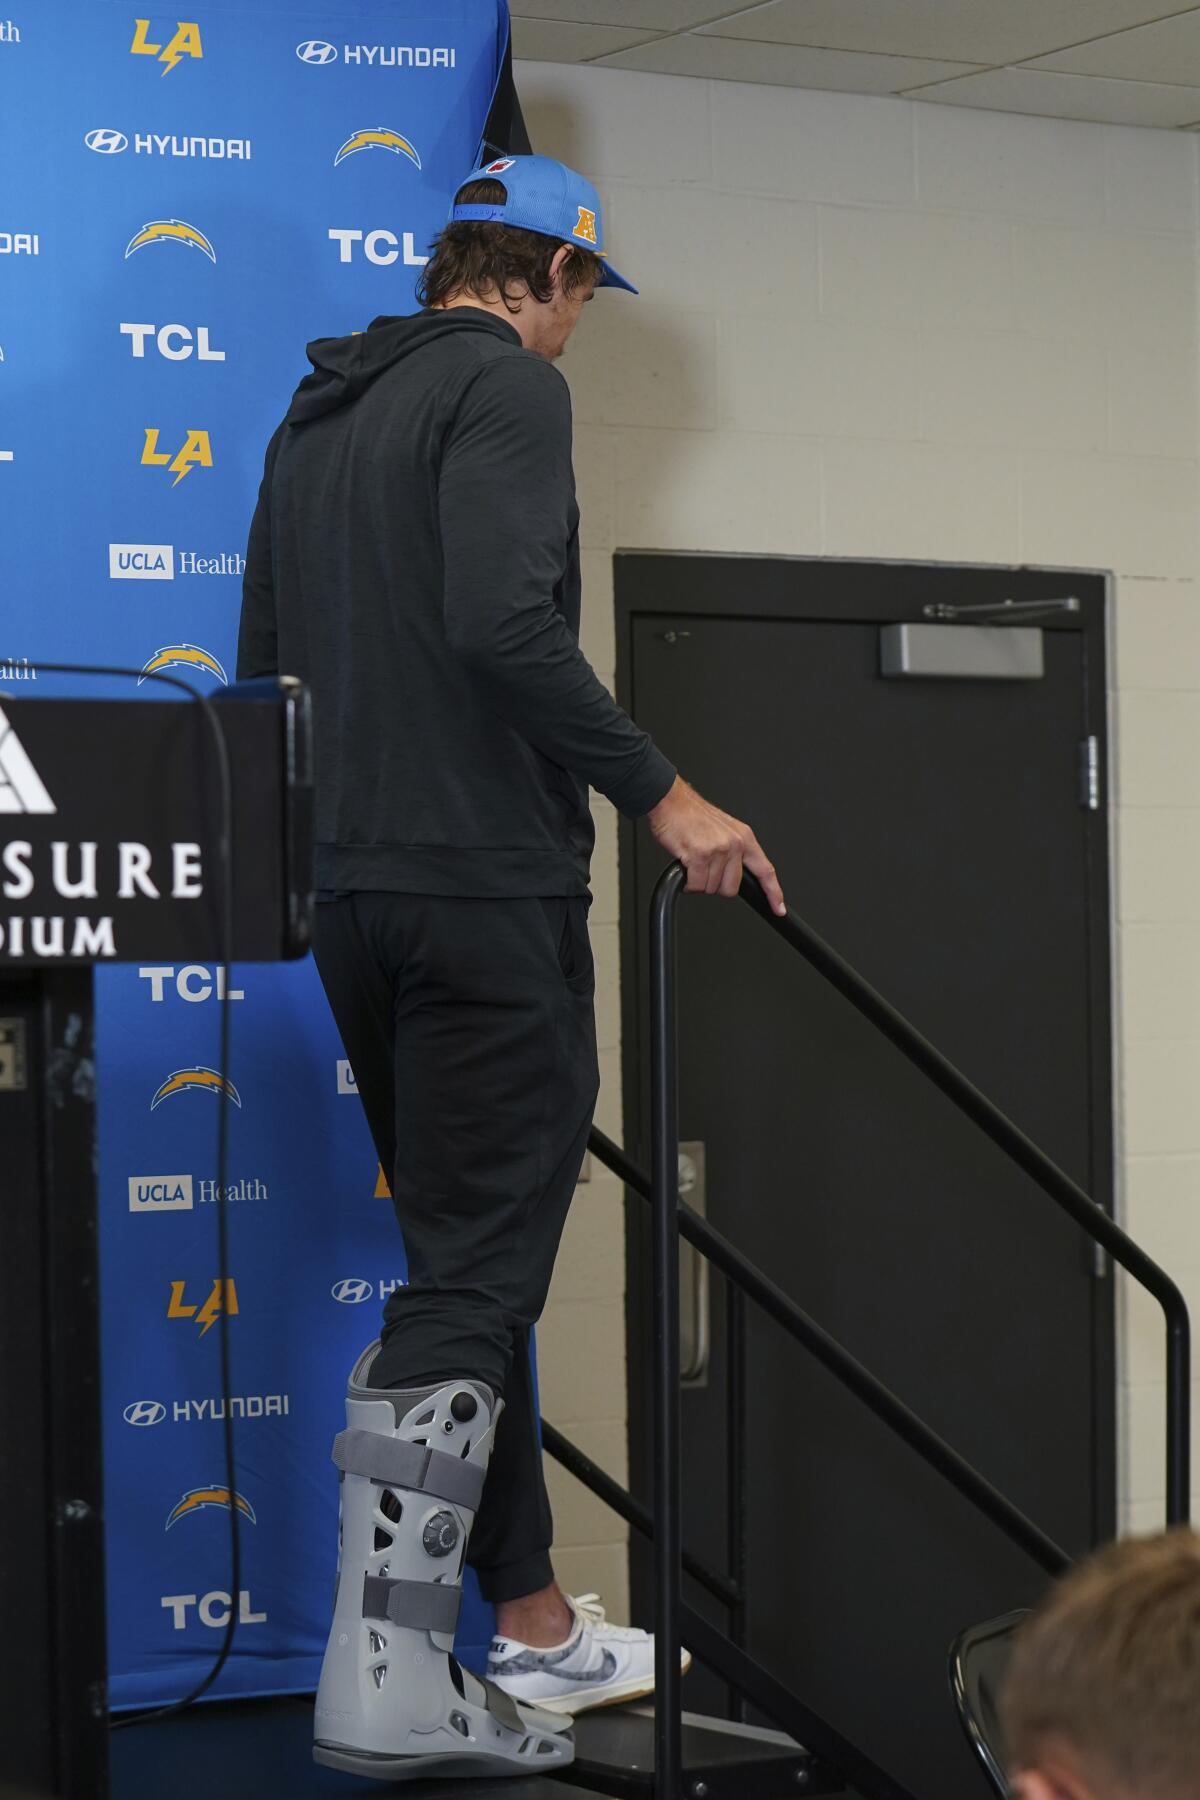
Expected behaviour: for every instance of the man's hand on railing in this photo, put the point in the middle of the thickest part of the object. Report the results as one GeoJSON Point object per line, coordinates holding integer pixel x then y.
{"type": "Point", "coordinates": [713, 846]}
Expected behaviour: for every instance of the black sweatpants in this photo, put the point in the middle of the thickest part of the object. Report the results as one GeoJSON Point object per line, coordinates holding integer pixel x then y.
{"type": "Point", "coordinates": [470, 1027]}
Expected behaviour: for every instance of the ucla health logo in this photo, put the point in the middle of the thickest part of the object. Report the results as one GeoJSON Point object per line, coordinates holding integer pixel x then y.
{"type": "Point", "coordinates": [184, 656]}
{"type": "Point", "coordinates": [378, 138]}
{"type": "Point", "coordinates": [196, 1499]}
{"type": "Point", "coordinates": [171, 231]}
{"type": "Point", "coordinates": [195, 452]}
{"type": "Point", "coordinates": [141, 562]}
{"type": "Point", "coordinates": [185, 41]}
{"type": "Point", "coordinates": [198, 1080]}
{"type": "Point", "coordinates": [160, 1193]}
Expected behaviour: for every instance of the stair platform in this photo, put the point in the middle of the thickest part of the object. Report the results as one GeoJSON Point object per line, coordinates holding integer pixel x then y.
{"type": "Point", "coordinates": [262, 1750]}
{"type": "Point", "coordinates": [614, 1754]}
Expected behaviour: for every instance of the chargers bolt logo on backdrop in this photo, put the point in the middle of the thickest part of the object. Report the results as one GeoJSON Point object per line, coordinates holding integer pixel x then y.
{"type": "Point", "coordinates": [195, 452]}
{"type": "Point", "coordinates": [206, 1315]}
{"type": "Point", "coordinates": [171, 231]}
{"type": "Point", "coordinates": [185, 42]}
{"type": "Point", "coordinates": [197, 1498]}
{"type": "Point", "coordinates": [379, 138]}
{"type": "Point", "coordinates": [197, 1080]}
{"type": "Point", "coordinates": [183, 656]}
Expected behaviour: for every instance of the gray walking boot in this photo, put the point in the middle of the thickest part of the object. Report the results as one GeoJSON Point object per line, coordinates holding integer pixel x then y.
{"type": "Point", "coordinates": [392, 1702]}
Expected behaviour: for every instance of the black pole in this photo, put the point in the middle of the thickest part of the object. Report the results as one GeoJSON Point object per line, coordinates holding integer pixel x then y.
{"type": "Point", "coordinates": [664, 1126]}
{"type": "Point", "coordinates": [735, 1466]}
{"type": "Point", "coordinates": [1025, 1153]}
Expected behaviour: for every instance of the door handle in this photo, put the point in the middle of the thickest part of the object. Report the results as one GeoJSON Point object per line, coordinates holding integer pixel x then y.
{"type": "Point", "coordinates": [695, 1341]}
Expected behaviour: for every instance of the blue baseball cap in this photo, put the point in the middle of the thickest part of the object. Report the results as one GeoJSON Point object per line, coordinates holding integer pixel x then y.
{"type": "Point", "coordinates": [545, 196]}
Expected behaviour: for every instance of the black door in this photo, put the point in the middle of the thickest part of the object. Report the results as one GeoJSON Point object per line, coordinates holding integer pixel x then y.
{"type": "Point", "coordinates": [939, 834]}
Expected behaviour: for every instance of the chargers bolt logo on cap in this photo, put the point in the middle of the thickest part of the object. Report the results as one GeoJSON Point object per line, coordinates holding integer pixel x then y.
{"type": "Point", "coordinates": [545, 196]}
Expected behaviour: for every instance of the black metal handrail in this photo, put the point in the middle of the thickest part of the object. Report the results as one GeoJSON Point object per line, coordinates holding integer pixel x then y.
{"type": "Point", "coordinates": [874, 1394]}
{"type": "Point", "coordinates": [670, 1218]}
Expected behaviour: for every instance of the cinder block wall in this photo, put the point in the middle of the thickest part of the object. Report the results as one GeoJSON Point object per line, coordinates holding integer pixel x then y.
{"type": "Point", "coordinates": [875, 328]}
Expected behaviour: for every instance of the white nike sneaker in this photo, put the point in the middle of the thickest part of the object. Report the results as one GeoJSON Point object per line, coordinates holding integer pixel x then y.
{"type": "Point", "coordinates": [598, 1665]}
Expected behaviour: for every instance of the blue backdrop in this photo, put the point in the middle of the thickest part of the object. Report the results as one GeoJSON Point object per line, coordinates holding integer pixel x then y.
{"type": "Point", "coordinates": [184, 205]}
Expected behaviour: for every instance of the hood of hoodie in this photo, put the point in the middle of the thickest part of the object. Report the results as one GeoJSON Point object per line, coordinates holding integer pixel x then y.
{"type": "Point", "coordinates": [343, 368]}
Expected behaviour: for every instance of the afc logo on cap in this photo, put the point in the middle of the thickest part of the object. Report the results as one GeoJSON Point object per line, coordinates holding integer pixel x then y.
{"type": "Point", "coordinates": [586, 227]}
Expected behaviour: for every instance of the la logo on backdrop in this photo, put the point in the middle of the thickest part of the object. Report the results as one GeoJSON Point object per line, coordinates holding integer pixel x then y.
{"type": "Point", "coordinates": [227, 221]}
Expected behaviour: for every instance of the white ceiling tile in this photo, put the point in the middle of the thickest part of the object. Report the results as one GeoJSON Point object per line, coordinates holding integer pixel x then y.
{"type": "Point", "coordinates": [641, 15]}
{"type": "Point", "coordinates": [1168, 52]}
{"type": "Point", "coordinates": [973, 31]}
{"type": "Point", "coordinates": [1067, 97]}
{"type": "Point", "coordinates": [556, 40]}
{"type": "Point", "coordinates": [783, 65]}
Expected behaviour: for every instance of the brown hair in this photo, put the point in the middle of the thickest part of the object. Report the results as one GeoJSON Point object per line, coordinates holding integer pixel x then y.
{"type": "Point", "coordinates": [1107, 1671]}
{"type": "Point", "coordinates": [480, 257]}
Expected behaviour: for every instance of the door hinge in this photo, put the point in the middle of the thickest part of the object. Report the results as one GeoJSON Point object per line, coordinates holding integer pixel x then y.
{"type": "Point", "coordinates": [1089, 774]}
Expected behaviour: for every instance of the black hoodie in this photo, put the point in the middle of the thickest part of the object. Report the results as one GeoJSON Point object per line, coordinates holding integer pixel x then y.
{"type": "Point", "coordinates": [414, 557]}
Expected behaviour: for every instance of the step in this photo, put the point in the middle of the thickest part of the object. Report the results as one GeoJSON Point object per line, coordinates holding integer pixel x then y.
{"type": "Point", "coordinates": [262, 1750]}
{"type": "Point", "coordinates": [722, 1760]}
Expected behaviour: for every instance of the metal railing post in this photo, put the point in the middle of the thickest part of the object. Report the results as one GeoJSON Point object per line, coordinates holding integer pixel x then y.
{"type": "Point", "coordinates": [664, 1173]}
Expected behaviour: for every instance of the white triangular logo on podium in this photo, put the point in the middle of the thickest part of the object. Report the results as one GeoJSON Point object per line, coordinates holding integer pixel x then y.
{"type": "Point", "coordinates": [22, 789]}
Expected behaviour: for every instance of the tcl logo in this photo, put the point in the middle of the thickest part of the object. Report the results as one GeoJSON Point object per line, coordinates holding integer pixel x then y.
{"type": "Point", "coordinates": [380, 247]}
{"type": "Point", "coordinates": [175, 342]}
{"type": "Point", "coordinates": [192, 982]}
{"type": "Point", "coordinates": [212, 1609]}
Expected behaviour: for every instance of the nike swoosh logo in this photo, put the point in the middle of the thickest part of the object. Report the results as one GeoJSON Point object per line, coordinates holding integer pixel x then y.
{"type": "Point", "coordinates": [548, 1662]}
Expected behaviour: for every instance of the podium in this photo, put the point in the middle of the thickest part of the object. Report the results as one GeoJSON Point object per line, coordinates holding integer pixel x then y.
{"type": "Point", "coordinates": [113, 838]}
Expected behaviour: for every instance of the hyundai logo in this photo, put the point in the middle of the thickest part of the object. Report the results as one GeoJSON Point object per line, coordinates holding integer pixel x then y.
{"type": "Point", "coordinates": [351, 1292]}
{"type": "Point", "coordinates": [108, 143]}
{"type": "Point", "coordinates": [316, 50]}
{"type": "Point", "coordinates": [145, 1412]}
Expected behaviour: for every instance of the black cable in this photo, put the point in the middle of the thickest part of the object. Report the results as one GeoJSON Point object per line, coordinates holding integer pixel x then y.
{"type": "Point", "coordinates": [225, 952]}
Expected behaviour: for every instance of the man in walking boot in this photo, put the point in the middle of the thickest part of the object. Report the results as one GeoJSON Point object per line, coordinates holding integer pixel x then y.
{"type": "Point", "coordinates": [414, 558]}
